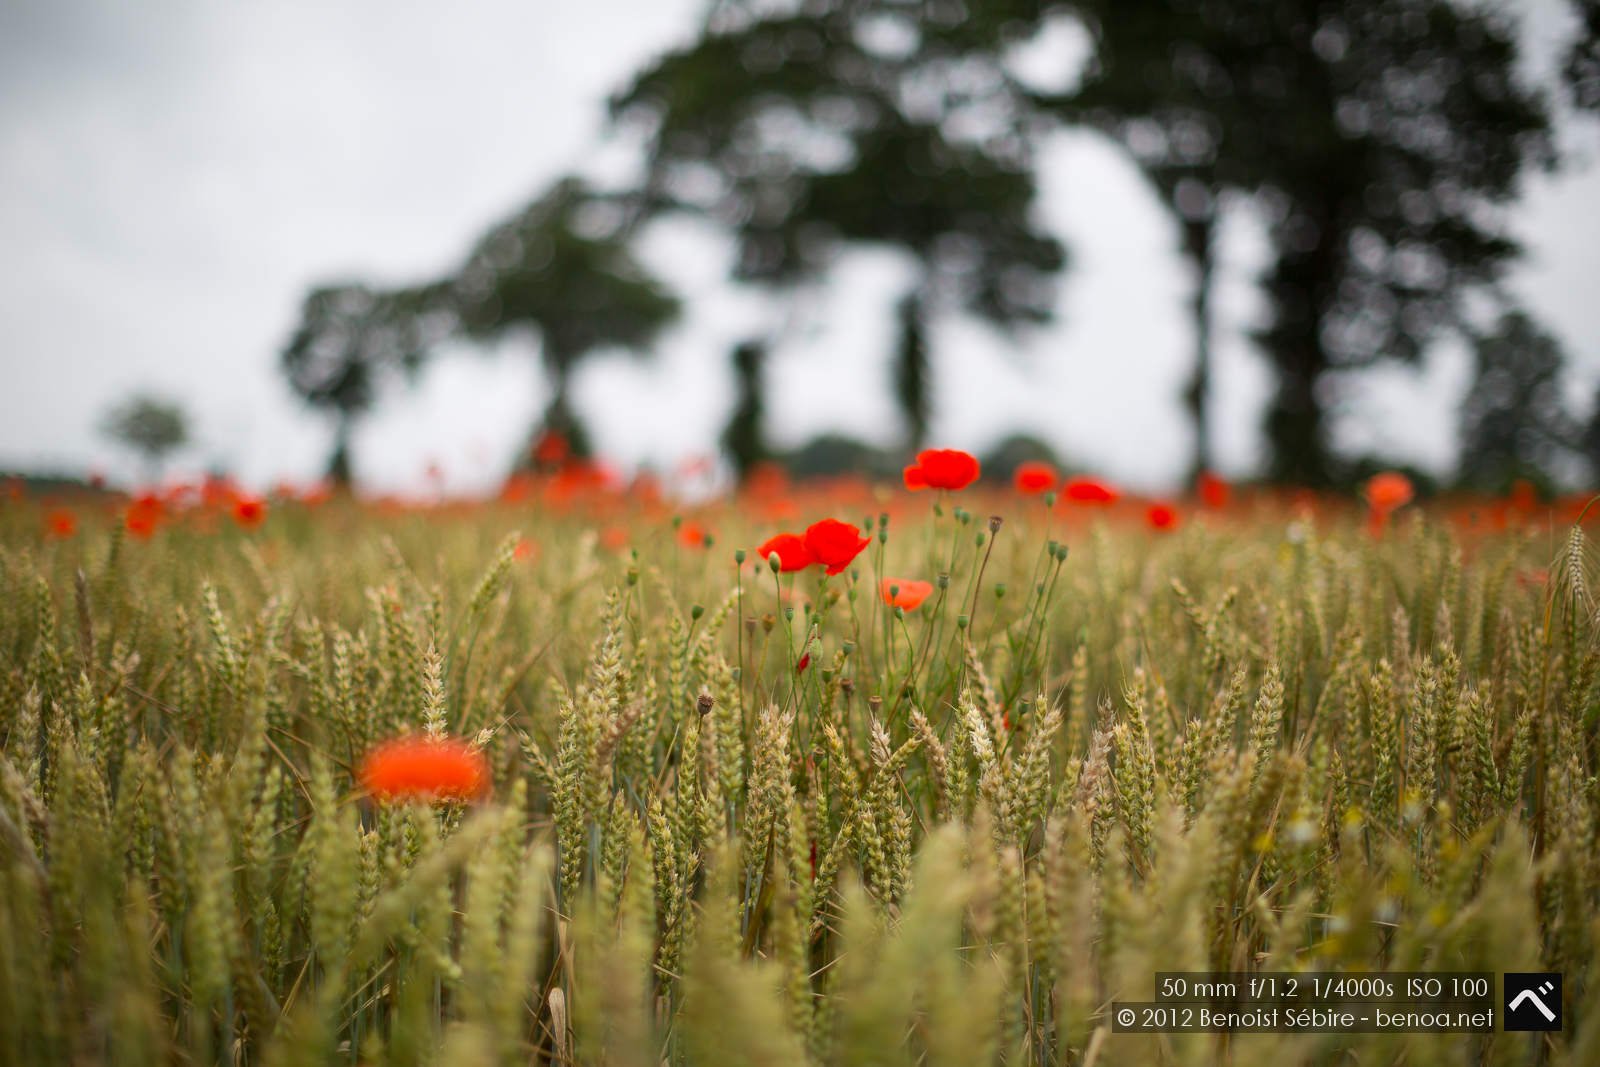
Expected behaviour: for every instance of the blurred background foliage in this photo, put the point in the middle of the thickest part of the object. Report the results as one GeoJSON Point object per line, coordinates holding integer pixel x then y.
{"type": "Point", "coordinates": [1382, 140]}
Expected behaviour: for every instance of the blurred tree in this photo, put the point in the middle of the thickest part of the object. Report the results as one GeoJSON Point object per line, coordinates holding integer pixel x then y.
{"type": "Point", "coordinates": [1514, 421]}
{"type": "Point", "coordinates": [350, 337]}
{"type": "Point", "coordinates": [835, 456]}
{"type": "Point", "coordinates": [151, 427]}
{"type": "Point", "coordinates": [1405, 127]}
{"type": "Point", "coordinates": [1379, 135]}
{"type": "Point", "coordinates": [1000, 463]}
{"type": "Point", "coordinates": [561, 270]}
{"type": "Point", "coordinates": [1589, 442]}
{"type": "Point", "coordinates": [744, 437]}
{"type": "Point", "coordinates": [1582, 67]}
{"type": "Point", "coordinates": [853, 123]}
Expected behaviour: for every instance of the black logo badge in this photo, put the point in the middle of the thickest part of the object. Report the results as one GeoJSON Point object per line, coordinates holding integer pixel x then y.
{"type": "Point", "coordinates": [1533, 1001]}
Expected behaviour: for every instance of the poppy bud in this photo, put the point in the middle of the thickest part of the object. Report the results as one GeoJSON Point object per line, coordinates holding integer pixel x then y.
{"type": "Point", "coordinates": [695, 611]}
{"type": "Point", "coordinates": [768, 621]}
{"type": "Point", "coordinates": [704, 703]}
{"type": "Point", "coordinates": [633, 575]}
{"type": "Point", "coordinates": [849, 647]}
{"type": "Point", "coordinates": [774, 562]}
{"type": "Point", "coordinates": [874, 704]}
{"type": "Point", "coordinates": [961, 622]}
{"type": "Point", "coordinates": [994, 523]}
{"type": "Point", "coordinates": [942, 581]}
{"type": "Point", "coordinates": [738, 556]}
{"type": "Point", "coordinates": [999, 590]}
{"type": "Point", "coordinates": [981, 538]}
{"type": "Point", "coordinates": [788, 613]}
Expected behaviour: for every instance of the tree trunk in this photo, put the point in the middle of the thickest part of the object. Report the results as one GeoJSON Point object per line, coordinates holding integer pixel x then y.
{"type": "Point", "coordinates": [1301, 287]}
{"type": "Point", "coordinates": [558, 418]}
{"type": "Point", "coordinates": [339, 461]}
{"type": "Point", "coordinates": [744, 436]}
{"type": "Point", "coordinates": [1198, 238]}
{"type": "Point", "coordinates": [911, 384]}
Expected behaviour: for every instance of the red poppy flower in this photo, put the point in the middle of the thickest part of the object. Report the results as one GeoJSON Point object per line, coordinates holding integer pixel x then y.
{"type": "Point", "coordinates": [525, 549]}
{"type": "Point", "coordinates": [249, 511]}
{"type": "Point", "coordinates": [805, 661]}
{"type": "Point", "coordinates": [1162, 516]}
{"type": "Point", "coordinates": [551, 449]}
{"type": "Point", "coordinates": [1524, 497]}
{"type": "Point", "coordinates": [908, 593]}
{"type": "Point", "coordinates": [1034, 477]}
{"type": "Point", "coordinates": [143, 515]}
{"type": "Point", "coordinates": [692, 535]}
{"type": "Point", "coordinates": [1214, 492]}
{"type": "Point", "coordinates": [942, 468]}
{"type": "Point", "coordinates": [834, 544]}
{"type": "Point", "coordinates": [61, 524]}
{"type": "Point", "coordinates": [1389, 491]}
{"type": "Point", "coordinates": [790, 549]}
{"type": "Point", "coordinates": [1089, 491]}
{"type": "Point", "coordinates": [419, 768]}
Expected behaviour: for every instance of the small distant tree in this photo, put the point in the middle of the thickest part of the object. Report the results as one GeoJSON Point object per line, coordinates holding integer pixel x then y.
{"type": "Point", "coordinates": [150, 426]}
{"type": "Point", "coordinates": [1514, 423]}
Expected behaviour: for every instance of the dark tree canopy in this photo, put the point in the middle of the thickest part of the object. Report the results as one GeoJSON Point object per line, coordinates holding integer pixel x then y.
{"type": "Point", "coordinates": [1380, 135]}
{"type": "Point", "coordinates": [1582, 66]}
{"type": "Point", "coordinates": [854, 123]}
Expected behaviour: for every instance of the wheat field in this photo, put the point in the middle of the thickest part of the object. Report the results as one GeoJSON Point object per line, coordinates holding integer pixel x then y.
{"type": "Point", "coordinates": [747, 817]}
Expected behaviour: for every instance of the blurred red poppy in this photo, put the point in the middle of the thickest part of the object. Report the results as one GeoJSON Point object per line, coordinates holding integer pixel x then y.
{"type": "Point", "coordinates": [61, 524]}
{"type": "Point", "coordinates": [692, 535]}
{"type": "Point", "coordinates": [942, 468]}
{"type": "Point", "coordinates": [1034, 476]}
{"type": "Point", "coordinates": [790, 549]}
{"type": "Point", "coordinates": [1213, 491]}
{"type": "Point", "coordinates": [423, 769]}
{"type": "Point", "coordinates": [525, 549]}
{"type": "Point", "coordinates": [908, 593]}
{"type": "Point", "coordinates": [1389, 491]}
{"type": "Point", "coordinates": [249, 511]}
{"type": "Point", "coordinates": [143, 516]}
{"type": "Point", "coordinates": [834, 544]}
{"type": "Point", "coordinates": [1162, 516]}
{"type": "Point", "coordinates": [1089, 491]}
{"type": "Point", "coordinates": [550, 450]}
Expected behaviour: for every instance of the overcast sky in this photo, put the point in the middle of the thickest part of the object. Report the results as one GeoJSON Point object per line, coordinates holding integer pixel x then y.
{"type": "Point", "coordinates": [173, 176]}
